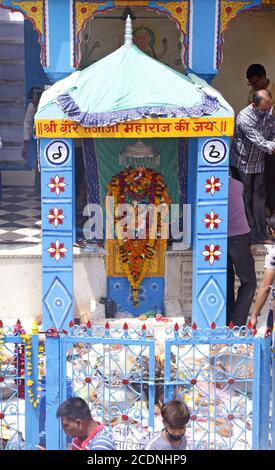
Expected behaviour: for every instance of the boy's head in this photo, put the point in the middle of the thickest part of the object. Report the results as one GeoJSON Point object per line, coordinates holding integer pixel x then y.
{"type": "Point", "coordinates": [256, 77]}
{"type": "Point", "coordinates": [175, 415]}
{"type": "Point", "coordinates": [35, 95]}
{"type": "Point", "coordinates": [271, 226]}
{"type": "Point", "coordinates": [75, 417]}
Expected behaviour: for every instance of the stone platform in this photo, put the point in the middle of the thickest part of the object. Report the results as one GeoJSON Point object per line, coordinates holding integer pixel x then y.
{"type": "Point", "coordinates": [20, 287]}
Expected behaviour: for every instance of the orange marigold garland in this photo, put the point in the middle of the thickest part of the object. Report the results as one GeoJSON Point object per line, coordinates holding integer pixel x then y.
{"type": "Point", "coordinates": [33, 395]}
{"type": "Point", "coordinates": [133, 186]}
{"type": "Point", "coordinates": [19, 361]}
{"type": "Point", "coordinates": [2, 344]}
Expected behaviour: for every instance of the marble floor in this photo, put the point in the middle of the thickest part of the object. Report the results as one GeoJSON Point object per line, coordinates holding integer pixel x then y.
{"type": "Point", "coordinates": [20, 216]}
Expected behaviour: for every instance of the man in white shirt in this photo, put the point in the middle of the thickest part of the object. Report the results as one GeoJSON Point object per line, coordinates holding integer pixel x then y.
{"type": "Point", "coordinates": [34, 96]}
{"type": "Point", "coordinates": [268, 279]}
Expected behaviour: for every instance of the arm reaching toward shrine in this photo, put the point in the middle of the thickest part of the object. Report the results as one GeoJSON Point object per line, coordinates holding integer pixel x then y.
{"type": "Point", "coordinates": [262, 295]}
{"type": "Point", "coordinates": [269, 276]}
{"type": "Point", "coordinates": [255, 136]}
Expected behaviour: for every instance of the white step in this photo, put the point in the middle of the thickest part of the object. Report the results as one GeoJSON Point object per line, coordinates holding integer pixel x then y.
{"type": "Point", "coordinates": [11, 90]}
{"type": "Point", "coordinates": [12, 30]}
{"type": "Point", "coordinates": [12, 113]}
{"type": "Point", "coordinates": [23, 266]}
{"type": "Point", "coordinates": [10, 154]}
{"type": "Point", "coordinates": [11, 133]}
{"type": "Point", "coordinates": [12, 49]}
{"type": "Point", "coordinates": [11, 70]}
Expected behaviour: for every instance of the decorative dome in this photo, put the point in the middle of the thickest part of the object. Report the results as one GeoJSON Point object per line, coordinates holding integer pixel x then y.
{"type": "Point", "coordinates": [129, 85]}
{"type": "Point", "coordinates": [139, 154]}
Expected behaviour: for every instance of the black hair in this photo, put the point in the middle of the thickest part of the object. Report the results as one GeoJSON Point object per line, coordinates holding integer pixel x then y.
{"type": "Point", "coordinates": [257, 96]}
{"type": "Point", "coordinates": [35, 91]}
{"type": "Point", "coordinates": [175, 413]}
{"type": "Point", "coordinates": [271, 223]}
{"type": "Point", "coordinates": [255, 70]}
{"type": "Point", "coordinates": [74, 408]}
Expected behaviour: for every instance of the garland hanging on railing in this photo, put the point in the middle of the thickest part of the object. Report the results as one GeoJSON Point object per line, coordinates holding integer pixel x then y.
{"type": "Point", "coordinates": [34, 397]}
{"type": "Point", "coordinates": [133, 186]}
{"type": "Point", "coordinates": [24, 368]}
{"type": "Point", "coordinates": [2, 344]}
{"type": "Point", "coordinates": [19, 361]}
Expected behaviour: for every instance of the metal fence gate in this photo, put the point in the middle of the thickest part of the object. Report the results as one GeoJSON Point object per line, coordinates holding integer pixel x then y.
{"type": "Point", "coordinates": [19, 414]}
{"type": "Point", "coordinates": [223, 374]}
{"type": "Point", "coordinates": [115, 372]}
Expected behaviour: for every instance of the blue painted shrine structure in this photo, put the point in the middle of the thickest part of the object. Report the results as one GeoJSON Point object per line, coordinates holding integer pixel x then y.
{"type": "Point", "coordinates": [202, 24]}
{"type": "Point", "coordinates": [186, 111]}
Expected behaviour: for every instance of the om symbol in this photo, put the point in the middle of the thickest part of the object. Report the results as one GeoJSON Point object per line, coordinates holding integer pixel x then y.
{"type": "Point", "coordinates": [214, 151]}
{"type": "Point", "coordinates": [57, 152]}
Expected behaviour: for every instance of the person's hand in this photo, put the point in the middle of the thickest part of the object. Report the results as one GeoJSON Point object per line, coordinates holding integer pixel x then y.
{"type": "Point", "coordinates": [253, 249]}
{"type": "Point", "coordinates": [253, 321]}
{"type": "Point", "coordinates": [24, 151]}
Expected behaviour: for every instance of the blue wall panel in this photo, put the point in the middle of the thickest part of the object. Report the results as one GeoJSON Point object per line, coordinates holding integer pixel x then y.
{"type": "Point", "coordinates": [57, 166]}
{"type": "Point", "coordinates": [210, 243]}
{"type": "Point", "coordinates": [151, 295]}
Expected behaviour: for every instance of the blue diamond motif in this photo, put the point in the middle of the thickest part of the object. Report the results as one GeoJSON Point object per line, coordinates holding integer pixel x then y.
{"type": "Point", "coordinates": [58, 302]}
{"type": "Point", "coordinates": [211, 301]}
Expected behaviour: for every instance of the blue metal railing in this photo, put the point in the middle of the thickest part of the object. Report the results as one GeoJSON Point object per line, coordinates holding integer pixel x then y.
{"type": "Point", "coordinates": [223, 374]}
{"type": "Point", "coordinates": [115, 372]}
{"type": "Point", "coordinates": [19, 423]}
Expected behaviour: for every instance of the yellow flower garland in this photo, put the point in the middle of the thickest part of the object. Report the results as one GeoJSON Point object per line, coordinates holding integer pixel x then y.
{"type": "Point", "coordinates": [2, 342]}
{"type": "Point", "coordinates": [28, 352]}
{"type": "Point", "coordinates": [34, 400]}
{"type": "Point", "coordinates": [161, 196]}
{"type": "Point", "coordinates": [151, 243]}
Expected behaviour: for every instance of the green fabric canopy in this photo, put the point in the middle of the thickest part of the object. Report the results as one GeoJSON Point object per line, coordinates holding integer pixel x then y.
{"type": "Point", "coordinates": [127, 85]}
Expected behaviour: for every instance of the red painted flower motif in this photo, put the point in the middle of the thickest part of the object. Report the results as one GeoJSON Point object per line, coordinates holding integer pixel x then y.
{"type": "Point", "coordinates": [56, 216]}
{"type": "Point", "coordinates": [212, 253]}
{"type": "Point", "coordinates": [57, 250]}
{"type": "Point", "coordinates": [212, 185]}
{"type": "Point", "coordinates": [57, 185]}
{"type": "Point", "coordinates": [212, 220]}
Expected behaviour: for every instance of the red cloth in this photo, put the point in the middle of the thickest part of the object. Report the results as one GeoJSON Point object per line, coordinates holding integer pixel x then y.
{"type": "Point", "coordinates": [81, 445]}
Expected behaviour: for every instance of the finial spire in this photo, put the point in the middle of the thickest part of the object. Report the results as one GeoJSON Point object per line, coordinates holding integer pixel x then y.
{"type": "Point", "coordinates": [128, 42]}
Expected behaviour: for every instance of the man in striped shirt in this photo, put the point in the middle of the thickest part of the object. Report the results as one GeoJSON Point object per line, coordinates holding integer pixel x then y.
{"type": "Point", "coordinates": [254, 138]}
{"type": "Point", "coordinates": [78, 423]}
{"type": "Point", "coordinates": [257, 80]}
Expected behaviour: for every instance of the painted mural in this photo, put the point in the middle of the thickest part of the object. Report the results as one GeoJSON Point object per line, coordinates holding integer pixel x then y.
{"type": "Point", "coordinates": [154, 35]}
